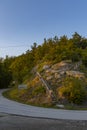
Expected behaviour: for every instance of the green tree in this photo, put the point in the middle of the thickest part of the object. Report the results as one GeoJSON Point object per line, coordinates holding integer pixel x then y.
{"type": "Point", "coordinates": [5, 76]}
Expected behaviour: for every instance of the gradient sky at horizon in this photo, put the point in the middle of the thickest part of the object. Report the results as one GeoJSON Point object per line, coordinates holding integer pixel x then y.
{"type": "Point", "coordinates": [23, 22]}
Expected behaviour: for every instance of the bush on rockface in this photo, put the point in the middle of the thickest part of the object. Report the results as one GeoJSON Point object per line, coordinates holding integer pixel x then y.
{"type": "Point", "coordinates": [74, 90]}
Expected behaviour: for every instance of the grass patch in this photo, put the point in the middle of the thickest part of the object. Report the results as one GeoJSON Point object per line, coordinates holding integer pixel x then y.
{"type": "Point", "coordinates": [14, 94]}
{"type": "Point", "coordinates": [11, 94]}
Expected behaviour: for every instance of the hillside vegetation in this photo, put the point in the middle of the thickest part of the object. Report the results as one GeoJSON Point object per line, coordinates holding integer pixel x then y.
{"type": "Point", "coordinates": [62, 66]}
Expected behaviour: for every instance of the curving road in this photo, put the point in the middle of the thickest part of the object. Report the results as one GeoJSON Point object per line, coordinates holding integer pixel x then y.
{"type": "Point", "coordinates": [12, 107]}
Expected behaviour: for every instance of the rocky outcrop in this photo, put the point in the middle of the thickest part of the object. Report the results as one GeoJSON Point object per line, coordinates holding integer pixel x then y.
{"type": "Point", "coordinates": [54, 74]}
{"type": "Point", "coordinates": [76, 74]}
{"type": "Point", "coordinates": [45, 67]}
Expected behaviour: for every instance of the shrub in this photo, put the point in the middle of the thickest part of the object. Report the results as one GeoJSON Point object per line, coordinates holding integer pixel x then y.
{"type": "Point", "coordinates": [74, 90]}
{"type": "Point", "coordinates": [38, 90]}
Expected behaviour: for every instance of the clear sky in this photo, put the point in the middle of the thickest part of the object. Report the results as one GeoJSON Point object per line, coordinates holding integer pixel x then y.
{"type": "Point", "coordinates": [23, 22]}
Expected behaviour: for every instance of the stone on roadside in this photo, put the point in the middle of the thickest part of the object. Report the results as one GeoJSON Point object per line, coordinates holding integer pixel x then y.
{"type": "Point", "coordinates": [60, 105]}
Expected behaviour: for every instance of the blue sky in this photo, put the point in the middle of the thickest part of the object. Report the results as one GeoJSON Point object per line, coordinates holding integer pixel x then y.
{"type": "Point", "coordinates": [23, 22]}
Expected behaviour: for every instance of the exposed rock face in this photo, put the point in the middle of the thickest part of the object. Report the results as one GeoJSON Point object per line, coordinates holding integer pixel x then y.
{"type": "Point", "coordinates": [49, 77]}
{"type": "Point", "coordinates": [57, 76]}
{"type": "Point", "coordinates": [59, 65]}
{"type": "Point", "coordinates": [45, 67]}
{"type": "Point", "coordinates": [76, 74]}
{"type": "Point", "coordinates": [56, 71]}
{"type": "Point", "coordinates": [54, 74]}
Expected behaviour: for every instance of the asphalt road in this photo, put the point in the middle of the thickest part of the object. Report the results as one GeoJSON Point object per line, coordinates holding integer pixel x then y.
{"type": "Point", "coordinates": [13, 122]}
{"type": "Point", "coordinates": [12, 107]}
